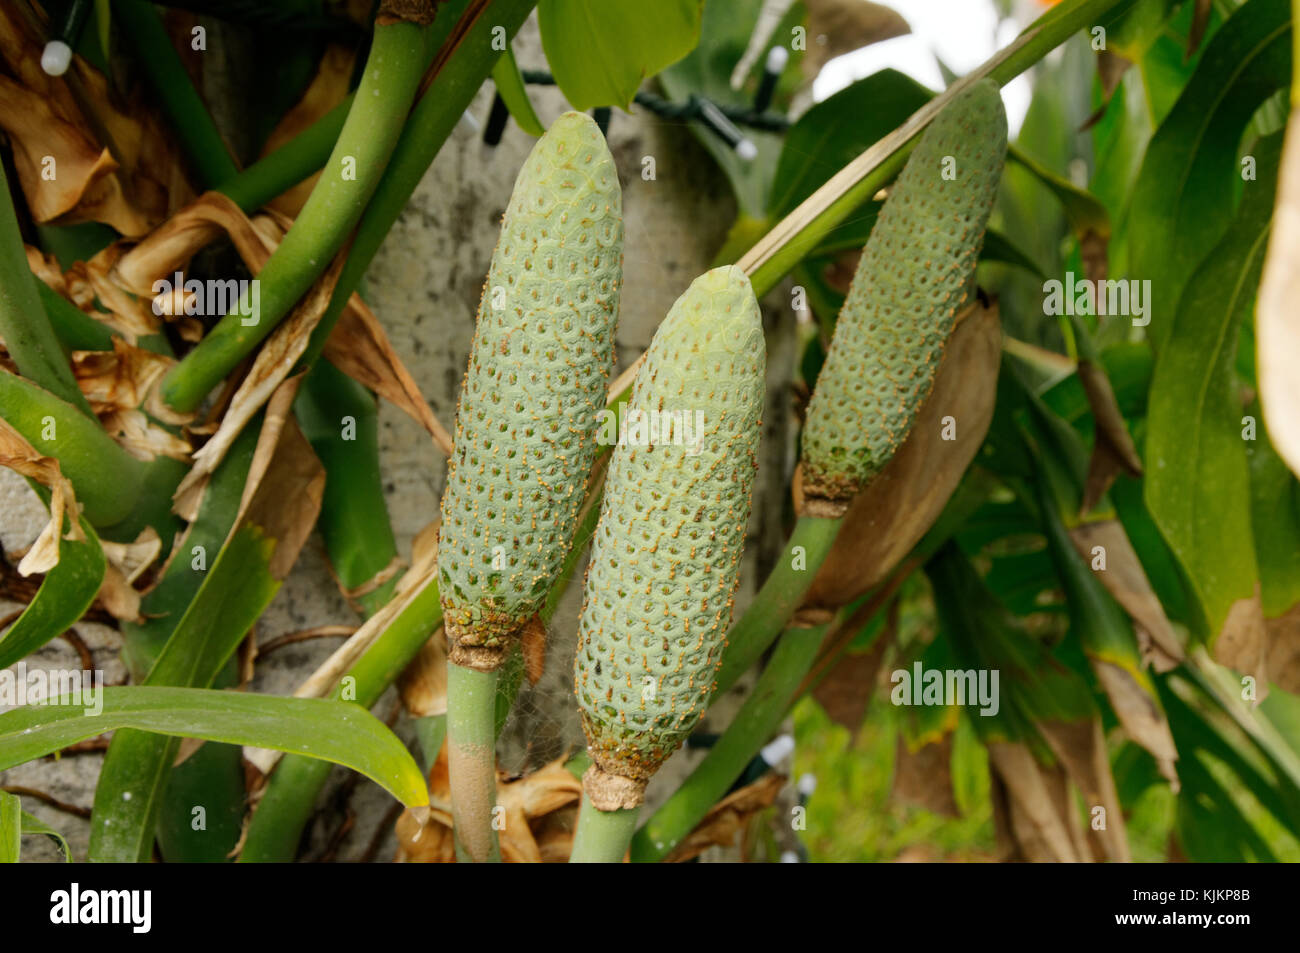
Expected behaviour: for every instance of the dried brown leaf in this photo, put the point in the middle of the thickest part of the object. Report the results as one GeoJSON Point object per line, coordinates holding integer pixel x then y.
{"type": "Point", "coordinates": [729, 817]}
{"type": "Point", "coordinates": [110, 166]}
{"type": "Point", "coordinates": [887, 518]}
{"type": "Point", "coordinates": [275, 359]}
{"type": "Point", "coordinates": [1141, 717]}
{"type": "Point", "coordinates": [539, 810]}
{"type": "Point", "coordinates": [533, 648]}
{"type": "Point", "coordinates": [1126, 580]}
{"type": "Point", "coordinates": [1284, 649]}
{"type": "Point", "coordinates": [1081, 747]}
{"type": "Point", "coordinates": [924, 777]}
{"type": "Point", "coordinates": [845, 692]}
{"type": "Point", "coordinates": [286, 483]}
{"type": "Point", "coordinates": [359, 347]}
{"type": "Point", "coordinates": [1032, 807]}
{"type": "Point", "coordinates": [126, 562]}
{"type": "Point", "coordinates": [836, 27]}
{"type": "Point", "coordinates": [1242, 644]}
{"type": "Point", "coordinates": [1113, 451]}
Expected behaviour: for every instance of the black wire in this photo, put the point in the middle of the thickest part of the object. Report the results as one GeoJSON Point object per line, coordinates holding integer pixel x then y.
{"type": "Point", "coordinates": [690, 109]}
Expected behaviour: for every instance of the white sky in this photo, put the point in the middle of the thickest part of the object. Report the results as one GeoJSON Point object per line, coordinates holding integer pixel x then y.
{"type": "Point", "coordinates": [963, 33]}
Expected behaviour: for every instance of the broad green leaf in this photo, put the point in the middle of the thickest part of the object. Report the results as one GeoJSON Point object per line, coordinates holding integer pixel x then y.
{"type": "Point", "coordinates": [1084, 210]}
{"type": "Point", "coordinates": [11, 827]}
{"type": "Point", "coordinates": [1183, 198]}
{"type": "Point", "coordinates": [336, 731]}
{"type": "Point", "coordinates": [34, 825]}
{"type": "Point", "coordinates": [66, 592]}
{"type": "Point", "coordinates": [601, 50]}
{"type": "Point", "coordinates": [1132, 28]}
{"type": "Point", "coordinates": [1198, 480]}
{"type": "Point", "coordinates": [510, 84]}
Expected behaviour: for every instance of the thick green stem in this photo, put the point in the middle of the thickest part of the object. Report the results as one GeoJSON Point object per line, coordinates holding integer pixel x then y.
{"type": "Point", "coordinates": [206, 151]}
{"type": "Point", "coordinates": [602, 837]}
{"type": "Point", "coordinates": [74, 329]}
{"type": "Point", "coordinates": [86, 454]}
{"type": "Point", "coordinates": [432, 120]}
{"type": "Point", "coordinates": [24, 327]}
{"type": "Point", "coordinates": [288, 165]}
{"type": "Point", "coordinates": [471, 760]}
{"type": "Point", "coordinates": [759, 717]}
{"type": "Point", "coordinates": [779, 598]}
{"type": "Point", "coordinates": [365, 144]}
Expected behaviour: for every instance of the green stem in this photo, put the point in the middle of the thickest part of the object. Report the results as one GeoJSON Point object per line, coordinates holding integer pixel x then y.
{"type": "Point", "coordinates": [602, 837]}
{"type": "Point", "coordinates": [288, 165]}
{"type": "Point", "coordinates": [759, 717]}
{"type": "Point", "coordinates": [779, 598]}
{"type": "Point", "coordinates": [197, 134]}
{"type": "Point", "coordinates": [26, 330]}
{"type": "Point", "coordinates": [365, 144]}
{"type": "Point", "coordinates": [471, 759]}
{"type": "Point", "coordinates": [434, 117]}
{"type": "Point", "coordinates": [74, 329]}
{"type": "Point", "coordinates": [86, 454]}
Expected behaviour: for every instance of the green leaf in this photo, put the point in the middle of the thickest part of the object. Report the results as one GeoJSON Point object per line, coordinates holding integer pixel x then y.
{"type": "Point", "coordinates": [66, 592]}
{"type": "Point", "coordinates": [1198, 480]}
{"type": "Point", "coordinates": [11, 827]}
{"type": "Point", "coordinates": [1183, 198]}
{"type": "Point", "coordinates": [336, 731]}
{"type": "Point", "coordinates": [34, 825]}
{"type": "Point", "coordinates": [510, 84]}
{"type": "Point", "coordinates": [237, 589]}
{"type": "Point", "coordinates": [601, 50]}
{"type": "Point", "coordinates": [835, 131]}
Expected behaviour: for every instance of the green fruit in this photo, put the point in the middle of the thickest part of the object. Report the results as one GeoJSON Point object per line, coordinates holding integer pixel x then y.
{"type": "Point", "coordinates": [537, 378]}
{"type": "Point", "coordinates": [910, 281]}
{"type": "Point", "coordinates": [666, 556]}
